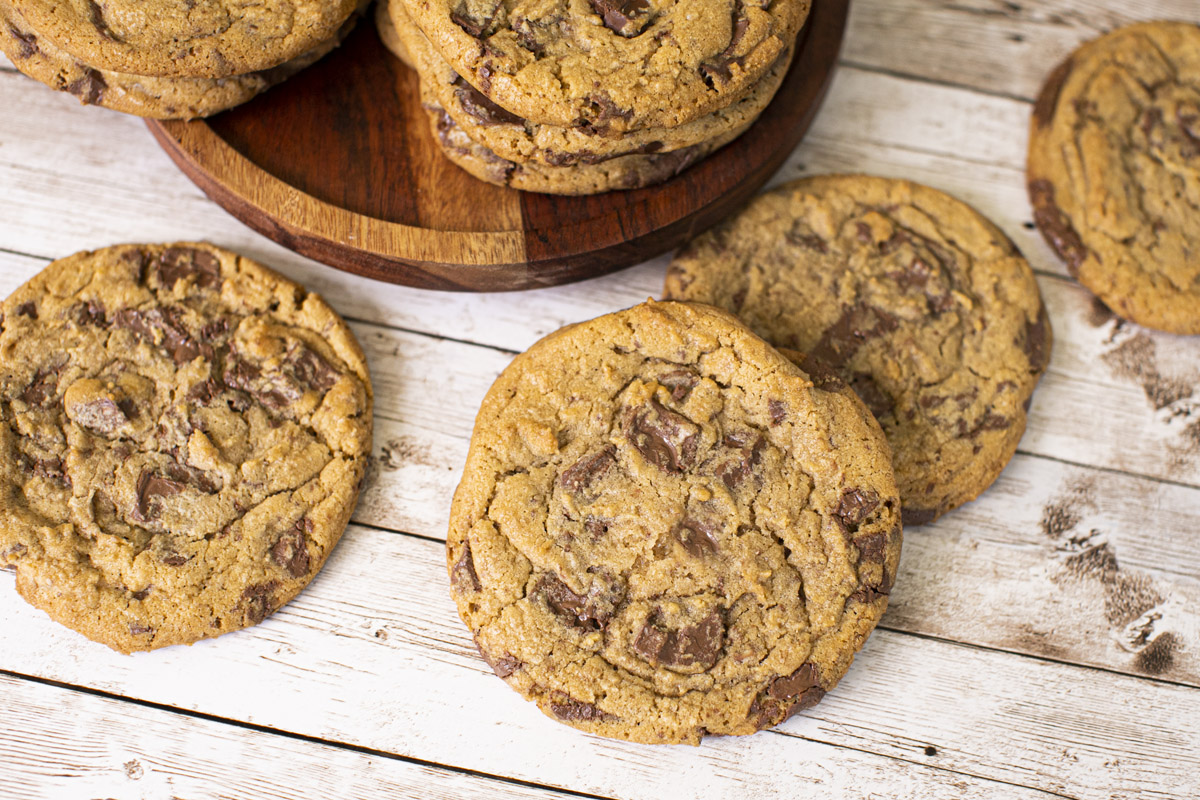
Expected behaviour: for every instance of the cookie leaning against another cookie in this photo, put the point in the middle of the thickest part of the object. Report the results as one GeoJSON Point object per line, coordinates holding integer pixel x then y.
{"type": "Point", "coordinates": [924, 307]}
{"type": "Point", "coordinates": [1114, 171]}
{"type": "Point", "coordinates": [664, 530]}
{"type": "Point", "coordinates": [183, 434]}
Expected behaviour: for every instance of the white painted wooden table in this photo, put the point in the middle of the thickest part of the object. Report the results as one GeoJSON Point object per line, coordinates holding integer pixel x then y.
{"type": "Point", "coordinates": [1042, 641]}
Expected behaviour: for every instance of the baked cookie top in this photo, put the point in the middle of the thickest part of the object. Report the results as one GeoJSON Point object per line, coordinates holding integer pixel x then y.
{"type": "Point", "coordinates": [611, 65]}
{"type": "Point", "coordinates": [159, 98]}
{"type": "Point", "coordinates": [178, 38]}
{"type": "Point", "coordinates": [924, 307]}
{"type": "Point", "coordinates": [515, 139]}
{"type": "Point", "coordinates": [1114, 171]}
{"type": "Point", "coordinates": [666, 530]}
{"type": "Point", "coordinates": [183, 433]}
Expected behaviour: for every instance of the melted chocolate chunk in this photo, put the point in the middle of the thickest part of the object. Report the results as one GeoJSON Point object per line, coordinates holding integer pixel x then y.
{"type": "Point", "coordinates": [870, 547]}
{"type": "Point", "coordinates": [1056, 228]}
{"type": "Point", "coordinates": [28, 42]}
{"type": "Point", "coordinates": [303, 369]}
{"type": "Point", "coordinates": [163, 327]}
{"type": "Point", "coordinates": [141, 594]}
{"type": "Point", "coordinates": [28, 309]}
{"type": "Point", "coordinates": [696, 645]}
{"type": "Point", "coordinates": [290, 550]}
{"type": "Point", "coordinates": [569, 709]}
{"type": "Point", "coordinates": [96, 17]}
{"type": "Point", "coordinates": [89, 88]}
{"type": "Point", "coordinates": [481, 107]}
{"type": "Point", "coordinates": [586, 470]}
{"type": "Point", "coordinates": [43, 387]}
{"type": "Point", "coordinates": [463, 573]}
{"type": "Point", "coordinates": [504, 666]}
{"type": "Point", "coordinates": [874, 398]}
{"type": "Point", "coordinates": [858, 324]}
{"type": "Point", "coordinates": [789, 686]}
{"type": "Point", "coordinates": [990, 422]}
{"type": "Point", "coordinates": [175, 479]}
{"type": "Point", "coordinates": [786, 695]}
{"type": "Point", "coordinates": [680, 382]}
{"type": "Point", "coordinates": [587, 612]}
{"type": "Point", "coordinates": [52, 469]}
{"type": "Point", "coordinates": [259, 601]}
{"type": "Point", "coordinates": [856, 505]}
{"type": "Point", "coordinates": [1036, 340]}
{"type": "Point", "coordinates": [309, 369]}
{"type": "Point", "coordinates": [89, 313]}
{"type": "Point", "coordinates": [748, 447]}
{"type": "Point", "coordinates": [475, 18]}
{"type": "Point", "coordinates": [103, 414]}
{"type": "Point", "coordinates": [664, 438]}
{"type": "Point", "coordinates": [1047, 102]}
{"type": "Point", "coordinates": [177, 263]}
{"type": "Point", "coordinates": [625, 17]}
{"type": "Point", "coordinates": [698, 538]}
{"type": "Point", "coordinates": [718, 70]}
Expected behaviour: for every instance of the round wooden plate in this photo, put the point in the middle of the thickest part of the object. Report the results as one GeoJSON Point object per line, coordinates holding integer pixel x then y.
{"type": "Point", "coordinates": [339, 164]}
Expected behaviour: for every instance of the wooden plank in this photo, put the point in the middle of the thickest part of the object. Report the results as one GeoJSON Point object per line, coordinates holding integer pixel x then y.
{"type": "Point", "coordinates": [992, 45]}
{"type": "Point", "coordinates": [373, 654]}
{"type": "Point", "coordinates": [62, 743]}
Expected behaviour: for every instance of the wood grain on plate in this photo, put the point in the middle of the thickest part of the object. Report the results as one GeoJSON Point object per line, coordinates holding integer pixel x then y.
{"type": "Point", "coordinates": [339, 165]}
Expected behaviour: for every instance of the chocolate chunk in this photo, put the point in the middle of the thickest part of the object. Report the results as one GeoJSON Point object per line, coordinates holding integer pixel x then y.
{"type": "Point", "coordinates": [915, 276]}
{"type": "Point", "coordinates": [102, 415]}
{"type": "Point", "coordinates": [858, 324]}
{"type": "Point", "coordinates": [504, 666]}
{"type": "Point", "coordinates": [587, 612]}
{"type": "Point", "coordinates": [290, 550]}
{"type": "Point", "coordinates": [583, 472]}
{"type": "Point", "coordinates": [310, 369]}
{"type": "Point", "coordinates": [28, 42]}
{"type": "Point", "coordinates": [205, 392]}
{"type": "Point", "coordinates": [625, 17]}
{"type": "Point", "coordinates": [96, 17]}
{"type": "Point", "coordinates": [856, 505]}
{"type": "Point", "coordinates": [870, 547]}
{"type": "Point", "coordinates": [51, 468]}
{"type": "Point", "coordinates": [595, 527]}
{"type": "Point", "coordinates": [174, 559]}
{"type": "Point", "coordinates": [809, 241]}
{"type": "Point", "coordinates": [141, 594]}
{"type": "Point", "coordinates": [1035, 344]}
{"type": "Point", "coordinates": [777, 411]}
{"type": "Point", "coordinates": [89, 88]}
{"type": "Point", "coordinates": [28, 309]}
{"type": "Point", "coordinates": [481, 107]}
{"type": "Point", "coordinates": [177, 263]}
{"type": "Point", "coordinates": [463, 575]}
{"type": "Point", "coordinates": [475, 18]}
{"type": "Point", "coordinates": [569, 709]}
{"type": "Point", "coordinates": [680, 382]}
{"type": "Point", "coordinates": [43, 387]}
{"type": "Point", "coordinates": [918, 516]}
{"type": "Point", "coordinates": [786, 687]}
{"type": "Point", "coordinates": [1047, 102]}
{"type": "Point", "coordinates": [698, 538]}
{"type": "Point", "coordinates": [174, 480]}
{"type": "Point", "coordinates": [259, 601]}
{"type": "Point", "coordinates": [13, 553]}
{"type": "Point", "coordinates": [786, 695]}
{"type": "Point", "coordinates": [1056, 228]}
{"type": "Point", "coordinates": [990, 422]}
{"type": "Point", "coordinates": [696, 645]}
{"type": "Point", "coordinates": [163, 327]}
{"type": "Point", "coordinates": [139, 629]}
{"type": "Point", "coordinates": [718, 69]}
{"type": "Point", "coordinates": [600, 111]}
{"type": "Point", "coordinates": [748, 447]}
{"type": "Point", "coordinates": [89, 313]}
{"type": "Point", "coordinates": [664, 438]}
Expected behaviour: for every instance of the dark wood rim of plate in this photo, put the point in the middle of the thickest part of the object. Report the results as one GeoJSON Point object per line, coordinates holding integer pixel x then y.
{"type": "Point", "coordinates": [339, 164]}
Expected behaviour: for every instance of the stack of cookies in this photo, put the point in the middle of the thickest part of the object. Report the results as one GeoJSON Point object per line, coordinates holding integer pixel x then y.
{"type": "Point", "coordinates": [588, 97]}
{"type": "Point", "coordinates": [169, 59]}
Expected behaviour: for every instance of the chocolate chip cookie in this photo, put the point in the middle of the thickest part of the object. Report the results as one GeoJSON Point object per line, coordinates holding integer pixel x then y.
{"type": "Point", "coordinates": [1114, 171]}
{"type": "Point", "coordinates": [183, 433]}
{"type": "Point", "coordinates": [611, 65]}
{"type": "Point", "coordinates": [665, 529]}
{"type": "Point", "coordinates": [160, 98]}
{"type": "Point", "coordinates": [185, 38]}
{"type": "Point", "coordinates": [921, 305]}
{"type": "Point", "coordinates": [633, 171]}
{"type": "Point", "coordinates": [512, 138]}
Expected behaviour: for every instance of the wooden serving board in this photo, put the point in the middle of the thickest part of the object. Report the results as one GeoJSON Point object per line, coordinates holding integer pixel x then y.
{"type": "Point", "coordinates": [339, 164]}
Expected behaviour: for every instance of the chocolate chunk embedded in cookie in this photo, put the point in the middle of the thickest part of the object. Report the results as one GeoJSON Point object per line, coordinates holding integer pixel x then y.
{"type": "Point", "coordinates": [913, 300]}
{"type": "Point", "coordinates": [1114, 171]}
{"type": "Point", "coordinates": [182, 437]}
{"type": "Point", "coordinates": [666, 530]}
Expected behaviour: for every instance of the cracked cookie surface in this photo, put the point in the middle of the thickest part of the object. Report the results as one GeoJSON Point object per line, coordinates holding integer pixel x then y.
{"type": "Point", "coordinates": [922, 306]}
{"type": "Point", "coordinates": [666, 530]}
{"type": "Point", "coordinates": [519, 140]}
{"type": "Point", "coordinates": [607, 65]}
{"type": "Point", "coordinates": [183, 433]}
{"type": "Point", "coordinates": [1114, 171]}
{"type": "Point", "coordinates": [155, 97]}
{"type": "Point", "coordinates": [185, 38]}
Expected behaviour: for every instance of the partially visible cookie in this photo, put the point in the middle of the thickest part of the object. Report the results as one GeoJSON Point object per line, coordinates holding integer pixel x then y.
{"type": "Point", "coordinates": [183, 434]}
{"type": "Point", "coordinates": [515, 139]}
{"type": "Point", "coordinates": [185, 38]}
{"type": "Point", "coordinates": [920, 304]}
{"type": "Point", "coordinates": [160, 98]}
{"type": "Point", "coordinates": [1114, 171]}
{"type": "Point", "coordinates": [611, 66]}
{"type": "Point", "coordinates": [622, 172]}
{"type": "Point", "coordinates": [665, 530]}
